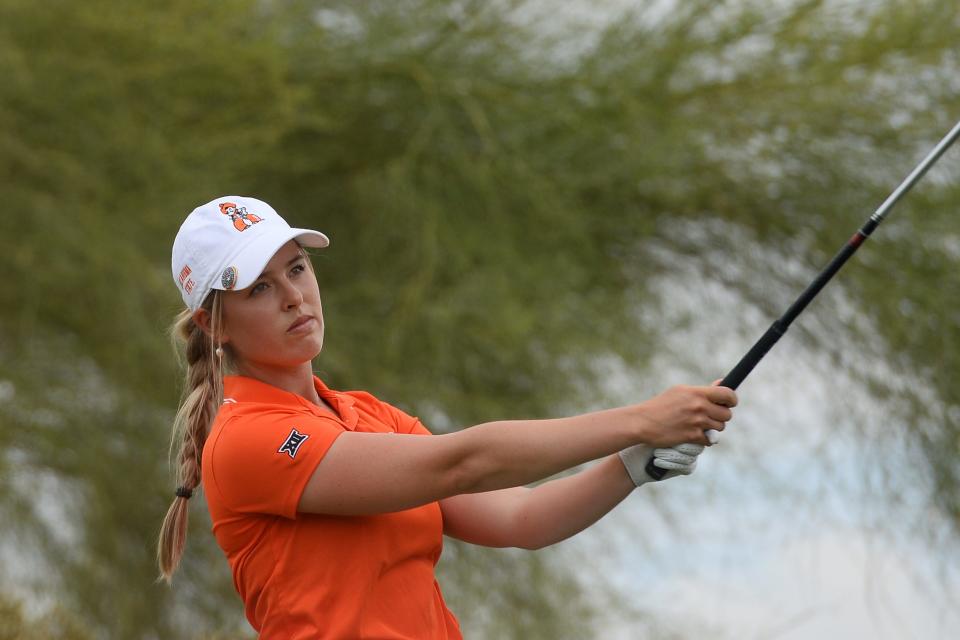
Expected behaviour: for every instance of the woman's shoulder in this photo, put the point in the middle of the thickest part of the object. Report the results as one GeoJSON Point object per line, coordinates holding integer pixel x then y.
{"type": "Point", "coordinates": [242, 415]}
{"type": "Point", "coordinates": [244, 433]}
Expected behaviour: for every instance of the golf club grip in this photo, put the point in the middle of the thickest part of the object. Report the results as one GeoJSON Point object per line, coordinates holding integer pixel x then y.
{"type": "Point", "coordinates": [737, 375]}
{"type": "Point", "coordinates": [740, 372]}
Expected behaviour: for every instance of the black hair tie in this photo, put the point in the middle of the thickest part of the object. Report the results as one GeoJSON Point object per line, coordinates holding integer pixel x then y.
{"type": "Point", "coordinates": [183, 492]}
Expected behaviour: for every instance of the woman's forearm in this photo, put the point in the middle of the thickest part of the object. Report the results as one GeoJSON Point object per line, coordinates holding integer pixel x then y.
{"type": "Point", "coordinates": [517, 452]}
{"type": "Point", "coordinates": [532, 518]}
{"type": "Point", "coordinates": [558, 509]}
{"type": "Point", "coordinates": [496, 455]}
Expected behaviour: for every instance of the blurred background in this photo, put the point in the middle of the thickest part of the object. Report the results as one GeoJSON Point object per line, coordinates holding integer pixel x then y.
{"type": "Point", "coordinates": [536, 208]}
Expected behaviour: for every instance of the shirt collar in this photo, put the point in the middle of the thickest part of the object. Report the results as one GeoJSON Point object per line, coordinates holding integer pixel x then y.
{"type": "Point", "coordinates": [244, 389]}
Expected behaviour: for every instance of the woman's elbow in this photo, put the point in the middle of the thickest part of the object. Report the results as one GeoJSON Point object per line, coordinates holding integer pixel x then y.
{"type": "Point", "coordinates": [470, 474]}
{"type": "Point", "coordinates": [469, 469]}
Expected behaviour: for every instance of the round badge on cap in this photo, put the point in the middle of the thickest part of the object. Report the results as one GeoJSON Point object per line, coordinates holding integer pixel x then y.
{"type": "Point", "coordinates": [228, 278]}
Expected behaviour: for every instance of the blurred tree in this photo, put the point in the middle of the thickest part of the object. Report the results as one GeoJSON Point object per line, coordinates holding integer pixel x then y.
{"type": "Point", "coordinates": [493, 179]}
{"type": "Point", "coordinates": [14, 625]}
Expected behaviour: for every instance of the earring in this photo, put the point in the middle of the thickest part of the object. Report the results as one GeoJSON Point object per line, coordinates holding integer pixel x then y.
{"type": "Point", "coordinates": [219, 351]}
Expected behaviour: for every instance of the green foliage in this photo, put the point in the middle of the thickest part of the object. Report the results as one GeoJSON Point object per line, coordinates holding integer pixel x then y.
{"type": "Point", "coordinates": [505, 593]}
{"type": "Point", "coordinates": [15, 625]}
{"type": "Point", "coordinates": [491, 187]}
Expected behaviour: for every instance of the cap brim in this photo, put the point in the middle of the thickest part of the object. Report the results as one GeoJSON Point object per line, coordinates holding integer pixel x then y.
{"type": "Point", "coordinates": [253, 258]}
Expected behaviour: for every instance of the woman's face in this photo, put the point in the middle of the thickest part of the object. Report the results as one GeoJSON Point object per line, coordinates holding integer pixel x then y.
{"type": "Point", "coordinates": [276, 322]}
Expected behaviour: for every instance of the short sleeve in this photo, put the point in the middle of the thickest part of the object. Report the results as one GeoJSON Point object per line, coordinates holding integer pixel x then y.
{"type": "Point", "coordinates": [261, 463]}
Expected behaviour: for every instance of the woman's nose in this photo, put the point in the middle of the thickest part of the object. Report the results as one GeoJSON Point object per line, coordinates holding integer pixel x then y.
{"type": "Point", "coordinates": [292, 297]}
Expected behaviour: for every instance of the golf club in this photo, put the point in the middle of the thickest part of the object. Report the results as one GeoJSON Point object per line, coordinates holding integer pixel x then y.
{"type": "Point", "coordinates": [780, 326]}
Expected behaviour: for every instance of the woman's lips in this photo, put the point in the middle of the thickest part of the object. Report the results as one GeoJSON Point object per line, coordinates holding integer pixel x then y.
{"type": "Point", "coordinates": [301, 324]}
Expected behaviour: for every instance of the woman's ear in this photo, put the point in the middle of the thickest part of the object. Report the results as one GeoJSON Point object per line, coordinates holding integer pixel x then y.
{"type": "Point", "coordinates": [203, 319]}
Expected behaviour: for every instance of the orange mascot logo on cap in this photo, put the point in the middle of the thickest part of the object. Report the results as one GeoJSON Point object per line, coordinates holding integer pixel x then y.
{"type": "Point", "coordinates": [238, 216]}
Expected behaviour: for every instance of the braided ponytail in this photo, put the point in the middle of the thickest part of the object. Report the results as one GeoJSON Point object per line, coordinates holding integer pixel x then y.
{"type": "Point", "coordinates": [203, 395]}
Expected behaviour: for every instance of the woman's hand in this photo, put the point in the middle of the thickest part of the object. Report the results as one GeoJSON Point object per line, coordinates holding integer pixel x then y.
{"type": "Point", "coordinates": [682, 414]}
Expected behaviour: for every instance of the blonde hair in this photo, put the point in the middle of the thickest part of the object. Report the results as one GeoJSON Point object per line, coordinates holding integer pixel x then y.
{"type": "Point", "coordinates": [202, 396]}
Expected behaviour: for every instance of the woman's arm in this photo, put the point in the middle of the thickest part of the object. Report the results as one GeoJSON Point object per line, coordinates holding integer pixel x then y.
{"type": "Point", "coordinates": [541, 516]}
{"type": "Point", "coordinates": [365, 473]}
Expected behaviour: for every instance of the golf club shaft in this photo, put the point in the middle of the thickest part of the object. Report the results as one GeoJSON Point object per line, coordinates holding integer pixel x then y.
{"type": "Point", "coordinates": [780, 326]}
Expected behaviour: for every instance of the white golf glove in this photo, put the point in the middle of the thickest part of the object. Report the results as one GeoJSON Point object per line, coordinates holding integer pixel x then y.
{"type": "Point", "coordinates": [680, 460]}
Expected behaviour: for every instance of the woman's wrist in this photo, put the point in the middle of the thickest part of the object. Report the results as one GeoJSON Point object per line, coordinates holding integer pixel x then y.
{"type": "Point", "coordinates": [640, 424]}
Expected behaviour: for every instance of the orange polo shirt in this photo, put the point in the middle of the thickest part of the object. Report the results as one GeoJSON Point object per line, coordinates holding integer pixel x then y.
{"type": "Point", "coordinates": [316, 576]}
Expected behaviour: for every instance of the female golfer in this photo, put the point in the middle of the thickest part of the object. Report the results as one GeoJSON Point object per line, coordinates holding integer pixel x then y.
{"type": "Point", "coordinates": [329, 505]}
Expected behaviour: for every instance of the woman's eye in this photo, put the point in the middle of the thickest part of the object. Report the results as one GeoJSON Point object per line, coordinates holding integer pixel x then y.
{"type": "Point", "coordinates": [298, 268]}
{"type": "Point", "coordinates": [258, 288]}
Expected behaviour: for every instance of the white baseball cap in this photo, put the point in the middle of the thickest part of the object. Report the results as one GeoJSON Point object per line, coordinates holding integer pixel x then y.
{"type": "Point", "coordinates": [226, 244]}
